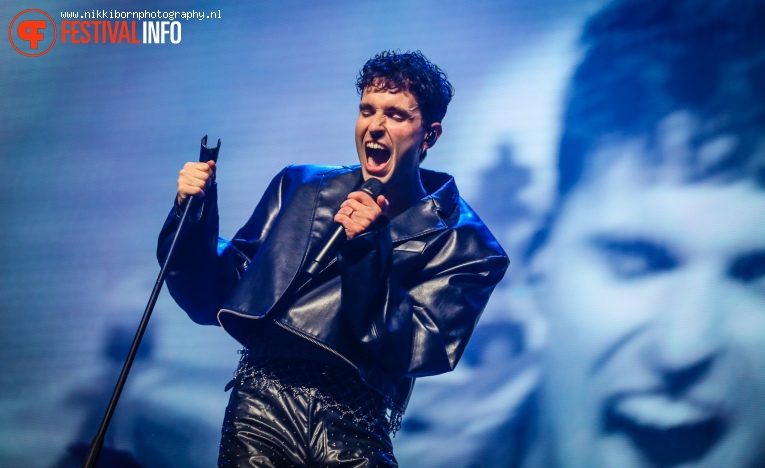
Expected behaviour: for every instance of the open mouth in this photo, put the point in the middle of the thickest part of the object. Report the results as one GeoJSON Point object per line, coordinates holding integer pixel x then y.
{"type": "Point", "coordinates": [377, 156]}
{"type": "Point", "coordinates": [667, 431]}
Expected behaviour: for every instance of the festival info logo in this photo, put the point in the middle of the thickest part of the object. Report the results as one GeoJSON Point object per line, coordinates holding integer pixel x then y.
{"type": "Point", "coordinates": [32, 33]}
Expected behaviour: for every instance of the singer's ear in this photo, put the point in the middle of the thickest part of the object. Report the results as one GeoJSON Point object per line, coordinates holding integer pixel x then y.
{"type": "Point", "coordinates": [432, 134]}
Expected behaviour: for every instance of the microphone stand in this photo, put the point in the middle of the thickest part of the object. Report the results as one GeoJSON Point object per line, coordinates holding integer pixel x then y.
{"type": "Point", "coordinates": [205, 154]}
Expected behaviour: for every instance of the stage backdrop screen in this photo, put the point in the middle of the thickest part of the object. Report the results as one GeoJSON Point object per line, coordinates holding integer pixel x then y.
{"type": "Point", "coordinates": [615, 149]}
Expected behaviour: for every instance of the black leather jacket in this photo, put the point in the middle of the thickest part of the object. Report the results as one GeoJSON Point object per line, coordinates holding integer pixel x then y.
{"type": "Point", "coordinates": [399, 302]}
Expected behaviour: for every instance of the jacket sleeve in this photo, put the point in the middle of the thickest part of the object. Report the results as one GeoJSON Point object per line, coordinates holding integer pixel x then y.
{"type": "Point", "coordinates": [205, 267]}
{"type": "Point", "coordinates": [423, 329]}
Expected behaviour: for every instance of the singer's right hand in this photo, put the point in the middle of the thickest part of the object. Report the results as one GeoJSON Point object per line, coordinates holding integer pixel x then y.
{"type": "Point", "coordinates": [359, 211]}
{"type": "Point", "coordinates": [194, 178]}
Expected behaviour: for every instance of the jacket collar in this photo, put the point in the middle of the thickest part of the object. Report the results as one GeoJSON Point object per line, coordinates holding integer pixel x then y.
{"type": "Point", "coordinates": [427, 215]}
{"type": "Point", "coordinates": [430, 213]}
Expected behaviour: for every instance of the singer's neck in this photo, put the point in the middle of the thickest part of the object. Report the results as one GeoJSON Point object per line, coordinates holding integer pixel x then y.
{"type": "Point", "coordinates": [404, 194]}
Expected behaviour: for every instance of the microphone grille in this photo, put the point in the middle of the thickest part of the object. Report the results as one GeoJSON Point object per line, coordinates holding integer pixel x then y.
{"type": "Point", "coordinates": [373, 187]}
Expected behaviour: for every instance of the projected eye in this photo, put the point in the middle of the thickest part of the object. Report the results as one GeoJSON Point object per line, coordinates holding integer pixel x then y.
{"type": "Point", "coordinates": [632, 258]}
{"type": "Point", "coordinates": [748, 268]}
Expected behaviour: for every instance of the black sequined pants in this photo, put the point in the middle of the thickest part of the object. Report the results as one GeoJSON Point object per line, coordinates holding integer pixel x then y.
{"type": "Point", "coordinates": [268, 426]}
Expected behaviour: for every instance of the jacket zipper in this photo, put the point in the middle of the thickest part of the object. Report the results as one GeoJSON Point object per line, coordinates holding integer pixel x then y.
{"type": "Point", "coordinates": [316, 342]}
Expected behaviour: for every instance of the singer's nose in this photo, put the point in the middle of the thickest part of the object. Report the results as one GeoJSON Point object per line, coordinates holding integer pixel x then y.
{"type": "Point", "coordinates": [377, 124]}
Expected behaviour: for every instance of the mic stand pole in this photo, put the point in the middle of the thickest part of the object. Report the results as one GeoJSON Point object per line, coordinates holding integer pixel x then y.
{"type": "Point", "coordinates": [205, 154]}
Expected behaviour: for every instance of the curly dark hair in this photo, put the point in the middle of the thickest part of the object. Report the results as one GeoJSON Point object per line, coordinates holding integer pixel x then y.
{"type": "Point", "coordinates": [412, 72]}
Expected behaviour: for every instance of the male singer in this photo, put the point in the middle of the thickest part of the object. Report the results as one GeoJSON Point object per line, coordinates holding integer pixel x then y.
{"type": "Point", "coordinates": [330, 357]}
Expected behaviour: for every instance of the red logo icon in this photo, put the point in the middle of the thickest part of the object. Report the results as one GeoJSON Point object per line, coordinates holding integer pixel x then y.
{"type": "Point", "coordinates": [34, 34]}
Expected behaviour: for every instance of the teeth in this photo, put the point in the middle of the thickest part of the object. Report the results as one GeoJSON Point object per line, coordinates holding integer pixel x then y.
{"type": "Point", "coordinates": [376, 146]}
{"type": "Point", "coordinates": [661, 412]}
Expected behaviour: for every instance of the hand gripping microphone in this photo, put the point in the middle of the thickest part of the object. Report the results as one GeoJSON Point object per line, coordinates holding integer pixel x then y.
{"type": "Point", "coordinates": [374, 188]}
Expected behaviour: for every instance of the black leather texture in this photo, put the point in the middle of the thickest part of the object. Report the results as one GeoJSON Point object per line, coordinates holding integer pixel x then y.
{"type": "Point", "coordinates": [400, 301]}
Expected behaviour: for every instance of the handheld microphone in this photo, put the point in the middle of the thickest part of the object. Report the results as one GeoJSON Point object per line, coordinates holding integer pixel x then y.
{"type": "Point", "coordinates": [371, 186]}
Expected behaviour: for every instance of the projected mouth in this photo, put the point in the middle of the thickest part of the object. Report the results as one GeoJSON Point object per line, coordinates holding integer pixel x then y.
{"type": "Point", "coordinates": [668, 432]}
{"type": "Point", "coordinates": [377, 156]}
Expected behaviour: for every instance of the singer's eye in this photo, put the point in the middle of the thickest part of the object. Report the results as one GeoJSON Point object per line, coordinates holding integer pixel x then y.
{"type": "Point", "coordinates": [366, 111]}
{"type": "Point", "coordinates": [397, 115]}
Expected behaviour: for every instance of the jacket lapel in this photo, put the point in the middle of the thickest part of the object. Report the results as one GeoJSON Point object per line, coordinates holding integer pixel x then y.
{"type": "Point", "coordinates": [429, 214]}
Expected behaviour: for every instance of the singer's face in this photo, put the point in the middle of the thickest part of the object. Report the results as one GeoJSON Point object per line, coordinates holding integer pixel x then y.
{"type": "Point", "coordinates": [389, 136]}
{"type": "Point", "coordinates": [654, 293]}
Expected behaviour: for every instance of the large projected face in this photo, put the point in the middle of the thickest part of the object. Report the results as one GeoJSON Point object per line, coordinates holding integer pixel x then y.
{"type": "Point", "coordinates": [654, 290]}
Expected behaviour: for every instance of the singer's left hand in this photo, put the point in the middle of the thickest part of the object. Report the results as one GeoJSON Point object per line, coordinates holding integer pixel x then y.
{"type": "Point", "coordinates": [358, 212]}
